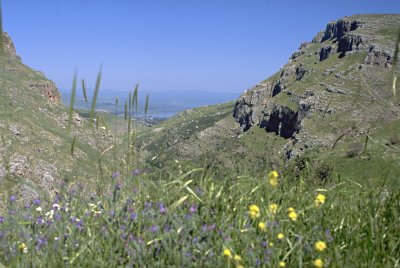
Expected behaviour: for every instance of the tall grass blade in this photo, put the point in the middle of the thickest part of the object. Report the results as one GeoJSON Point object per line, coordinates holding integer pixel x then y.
{"type": "Point", "coordinates": [130, 101]}
{"type": "Point", "coordinates": [72, 102]}
{"type": "Point", "coordinates": [73, 146]}
{"type": "Point", "coordinates": [95, 95]}
{"type": "Point", "coordinates": [395, 62]}
{"type": "Point", "coordinates": [84, 91]}
{"type": "Point", "coordinates": [126, 110]}
{"type": "Point", "coordinates": [1, 31]}
{"type": "Point", "coordinates": [135, 97]}
{"type": "Point", "coordinates": [146, 107]}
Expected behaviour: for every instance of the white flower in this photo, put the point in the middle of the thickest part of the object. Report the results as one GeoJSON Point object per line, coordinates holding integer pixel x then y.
{"type": "Point", "coordinates": [39, 209]}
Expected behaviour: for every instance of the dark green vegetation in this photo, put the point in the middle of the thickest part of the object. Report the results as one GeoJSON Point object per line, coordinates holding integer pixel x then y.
{"type": "Point", "coordinates": [193, 190]}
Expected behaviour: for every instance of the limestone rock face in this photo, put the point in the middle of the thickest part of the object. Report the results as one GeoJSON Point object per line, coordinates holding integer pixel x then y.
{"type": "Point", "coordinates": [378, 56]}
{"type": "Point", "coordinates": [339, 28]}
{"type": "Point", "coordinates": [9, 48]}
{"type": "Point", "coordinates": [325, 52]}
{"type": "Point", "coordinates": [282, 120]}
{"type": "Point", "coordinates": [48, 89]}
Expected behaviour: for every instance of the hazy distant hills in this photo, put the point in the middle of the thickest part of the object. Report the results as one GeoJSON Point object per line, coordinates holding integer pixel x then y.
{"type": "Point", "coordinates": [162, 104]}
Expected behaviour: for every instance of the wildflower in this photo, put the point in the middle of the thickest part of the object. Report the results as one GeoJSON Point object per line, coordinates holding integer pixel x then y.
{"type": "Point", "coordinates": [239, 266]}
{"type": "Point", "coordinates": [293, 215]}
{"type": "Point", "coordinates": [237, 258]}
{"type": "Point", "coordinates": [273, 178]}
{"type": "Point", "coordinates": [254, 211]}
{"type": "Point", "coordinates": [318, 263]}
{"type": "Point", "coordinates": [320, 245]}
{"type": "Point", "coordinates": [282, 264]}
{"type": "Point", "coordinates": [290, 209]}
{"type": "Point", "coordinates": [39, 209]}
{"type": "Point", "coordinates": [115, 174]}
{"type": "Point", "coordinates": [153, 228]}
{"type": "Point", "coordinates": [271, 244]}
{"type": "Point", "coordinates": [319, 200]}
{"type": "Point", "coordinates": [37, 201]}
{"type": "Point", "coordinates": [262, 226]}
{"type": "Point", "coordinates": [281, 236]}
{"type": "Point", "coordinates": [23, 248]}
{"type": "Point", "coordinates": [273, 208]}
{"type": "Point", "coordinates": [56, 206]}
{"type": "Point", "coordinates": [12, 199]}
{"type": "Point", "coordinates": [227, 253]}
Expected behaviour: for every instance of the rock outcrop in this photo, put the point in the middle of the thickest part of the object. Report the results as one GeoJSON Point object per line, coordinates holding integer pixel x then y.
{"type": "Point", "coordinates": [48, 89]}
{"type": "Point", "coordinates": [9, 48]}
{"type": "Point", "coordinates": [338, 29]}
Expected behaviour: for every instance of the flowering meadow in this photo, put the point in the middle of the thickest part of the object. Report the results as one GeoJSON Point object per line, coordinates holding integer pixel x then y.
{"type": "Point", "coordinates": [198, 220]}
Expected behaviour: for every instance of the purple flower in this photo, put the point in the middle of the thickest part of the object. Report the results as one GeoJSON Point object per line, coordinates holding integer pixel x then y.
{"type": "Point", "coordinates": [193, 209]}
{"type": "Point", "coordinates": [115, 174]}
{"type": "Point", "coordinates": [40, 220]}
{"type": "Point", "coordinates": [153, 228]}
{"type": "Point", "coordinates": [79, 225]}
{"type": "Point", "coordinates": [148, 205]}
{"type": "Point", "coordinates": [133, 216]}
{"type": "Point", "coordinates": [1, 234]}
{"type": "Point", "coordinates": [1, 219]}
{"type": "Point", "coordinates": [137, 172]}
{"type": "Point", "coordinates": [37, 202]}
{"type": "Point", "coordinates": [162, 208]}
{"type": "Point", "coordinates": [13, 198]}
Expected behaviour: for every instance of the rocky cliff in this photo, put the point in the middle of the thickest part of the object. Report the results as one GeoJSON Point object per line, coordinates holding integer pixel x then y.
{"type": "Point", "coordinates": [46, 87]}
{"type": "Point", "coordinates": [334, 90]}
{"type": "Point", "coordinates": [325, 77]}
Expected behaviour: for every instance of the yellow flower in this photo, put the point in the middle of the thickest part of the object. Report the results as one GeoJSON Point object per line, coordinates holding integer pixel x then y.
{"type": "Point", "coordinates": [273, 178]}
{"type": "Point", "coordinates": [254, 211]}
{"type": "Point", "coordinates": [227, 253]}
{"type": "Point", "coordinates": [239, 266]}
{"type": "Point", "coordinates": [262, 226]}
{"type": "Point", "coordinates": [319, 200]}
{"type": "Point", "coordinates": [273, 208]}
{"type": "Point", "coordinates": [281, 236]}
{"type": "Point", "coordinates": [293, 215]}
{"type": "Point", "coordinates": [320, 246]}
{"type": "Point", "coordinates": [290, 210]}
{"type": "Point", "coordinates": [282, 264]}
{"type": "Point", "coordinates": [23, 248]}
{"type": "Point", "coordinates": [271, 244]}
{"type": "Point", "coordinates": [237, 258]}
{"type": "Point", "coordinates": [318, 263]}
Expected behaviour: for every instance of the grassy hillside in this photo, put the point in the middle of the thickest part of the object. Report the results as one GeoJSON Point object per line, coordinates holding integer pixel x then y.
{"type": "Point", "coordinates": [337, 101]}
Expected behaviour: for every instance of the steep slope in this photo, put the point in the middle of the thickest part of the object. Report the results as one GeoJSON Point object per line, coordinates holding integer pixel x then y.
{"type": "Point", "coordinates": [35, 150]}
{"type": "Point", "coordinates": [333, 92]}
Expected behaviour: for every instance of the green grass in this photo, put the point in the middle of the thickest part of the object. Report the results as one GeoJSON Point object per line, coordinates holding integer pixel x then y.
{"type": "Point", "coordinates": [189, 220]}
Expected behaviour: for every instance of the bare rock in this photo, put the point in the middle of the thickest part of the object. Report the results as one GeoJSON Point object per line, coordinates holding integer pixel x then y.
{"type": "Point", "coordinates": [325, 52]}
{"type": "Point", "coordinates": [48, 89]}
{"type": "Point", "coordinates": [337, 29]}
{"type": "Point", "coordinates": [15, 130]}
{"type": "Point", "coordinates": [9, 48]}
{"type": "Point", "coordinates": [19, 165]}
{"type": "Point", "coordinates": [379, 57]}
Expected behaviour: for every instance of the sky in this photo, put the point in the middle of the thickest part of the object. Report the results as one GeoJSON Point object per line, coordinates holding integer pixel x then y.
{"type": "Point", "coordinates": [164, 45]}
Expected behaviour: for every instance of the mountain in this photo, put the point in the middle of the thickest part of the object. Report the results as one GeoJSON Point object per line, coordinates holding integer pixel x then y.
{"type": "Point", "coordinates": [331, 107]}
{"type": "Point", "coordinates": [35, 150]}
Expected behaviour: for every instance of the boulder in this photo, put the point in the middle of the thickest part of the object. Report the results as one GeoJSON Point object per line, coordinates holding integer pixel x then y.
{"type": "Point", "coordinates": [325, 52]}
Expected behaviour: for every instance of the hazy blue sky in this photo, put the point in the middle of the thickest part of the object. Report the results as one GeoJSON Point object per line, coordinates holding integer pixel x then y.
{"type": "Point", "coordinates": [210, 45]}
